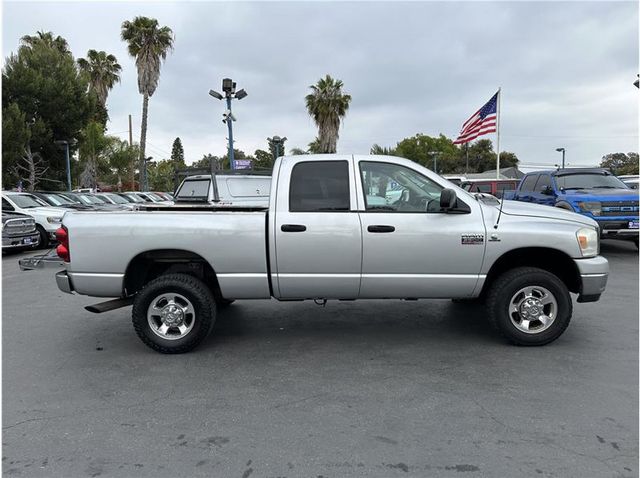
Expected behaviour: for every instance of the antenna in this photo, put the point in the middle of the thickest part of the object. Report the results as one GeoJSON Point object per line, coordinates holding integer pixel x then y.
{"type": "Point", "coordinates": [499, 213]}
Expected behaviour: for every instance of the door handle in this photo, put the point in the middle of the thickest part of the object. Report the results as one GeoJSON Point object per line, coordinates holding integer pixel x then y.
{"type": "Point", "coordinates": [381, 228]}
{"type": "Point", "coordinates": [293, 228]}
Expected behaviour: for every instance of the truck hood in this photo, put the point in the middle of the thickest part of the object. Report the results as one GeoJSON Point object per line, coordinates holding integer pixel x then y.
{"type": "Point", "coordinates": [48, 211]}
{"type": "Point", "coordinates": [599, 194]}
{"type": "Point", "coordinates": [518, 208]}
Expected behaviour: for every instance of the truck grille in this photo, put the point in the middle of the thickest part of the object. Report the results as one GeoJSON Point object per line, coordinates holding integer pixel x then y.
{"type": "Point", "coordinates": [620, 208]}
{"type": "Point", "coordinates": [14, 227]}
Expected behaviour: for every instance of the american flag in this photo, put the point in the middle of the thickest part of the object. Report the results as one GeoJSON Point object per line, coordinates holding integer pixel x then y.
{"type": "Point", "coordinates": [481, 122]}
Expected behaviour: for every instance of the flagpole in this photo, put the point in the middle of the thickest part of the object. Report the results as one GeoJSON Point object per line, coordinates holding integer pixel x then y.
{"type": "Point", "coordinates": [498, 134]}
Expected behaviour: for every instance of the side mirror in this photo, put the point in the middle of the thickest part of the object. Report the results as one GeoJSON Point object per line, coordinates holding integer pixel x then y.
{"type": "Point", "coordinates": [448, 199]}
{"type": "Point", "coordinates": [547, 191]}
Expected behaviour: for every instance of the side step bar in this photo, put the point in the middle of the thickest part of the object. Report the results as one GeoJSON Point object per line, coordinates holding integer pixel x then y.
{"type": "Point", "coordinates": [109, 305]}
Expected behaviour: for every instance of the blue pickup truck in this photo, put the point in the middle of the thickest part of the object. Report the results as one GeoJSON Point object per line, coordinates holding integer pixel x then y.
{"type": "Point", "coordinates": [594, 192]}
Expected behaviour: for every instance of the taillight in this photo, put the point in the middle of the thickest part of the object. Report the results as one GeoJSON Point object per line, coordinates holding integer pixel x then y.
{"type": "Point", "coordinates": [62, 236]}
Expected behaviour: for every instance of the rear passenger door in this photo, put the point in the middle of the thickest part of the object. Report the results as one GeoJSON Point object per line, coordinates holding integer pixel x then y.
{"type": "Point", "coordinates": [525, 193]}
{"type": "Point", "coordinates": [318, 239]}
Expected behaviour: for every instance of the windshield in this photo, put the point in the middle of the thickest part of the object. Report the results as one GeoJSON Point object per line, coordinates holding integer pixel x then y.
{"type": "Point", "coordinates": [589, 181]}
{"type": "Point", "coordinates": [85, 198]}
{"type": "Point", "coordinates": [135, 198]}
{"type": "Point", "coordinates": [155, 197]}
{"type": "Point", "coordinates": [194, 189]}
{"type": "Point", "coordinates": [117, 199]}
{"type": "Point", "coordinates": [27, 201]}
{"type": "Point", "coordinates": [58, 200]}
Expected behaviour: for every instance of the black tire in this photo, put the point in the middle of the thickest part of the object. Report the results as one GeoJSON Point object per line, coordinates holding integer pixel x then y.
{"type": "Point", "coordinates": [203, 318]}
{"type": "Point", "coordinates": [505, 288]}
{"type": "Point", "coordinates": [44, 237]}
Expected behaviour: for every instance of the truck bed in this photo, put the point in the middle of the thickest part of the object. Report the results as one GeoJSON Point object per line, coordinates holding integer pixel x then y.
{"type": "Point", "coordinates": [233, 242]}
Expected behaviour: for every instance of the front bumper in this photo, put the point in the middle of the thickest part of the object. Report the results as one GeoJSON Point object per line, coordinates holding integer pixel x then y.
{"type": "Point", "coordinates": [594, 273]}
{"type": "Point", "coordinates": [29, 240]}
{"type": "Point", "coordinates": [618, 228]}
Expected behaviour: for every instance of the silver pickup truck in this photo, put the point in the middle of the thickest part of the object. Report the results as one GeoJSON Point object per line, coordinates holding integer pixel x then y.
{"type": "Point", "coordinates": [337, 227]}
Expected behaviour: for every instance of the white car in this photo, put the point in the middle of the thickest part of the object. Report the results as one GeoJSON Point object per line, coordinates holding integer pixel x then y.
{"type": "Point", "coordinates": [47, 218]}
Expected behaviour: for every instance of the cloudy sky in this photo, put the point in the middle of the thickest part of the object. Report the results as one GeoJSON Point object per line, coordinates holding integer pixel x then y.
{"type": "Point", "coordinates": [566, 70]}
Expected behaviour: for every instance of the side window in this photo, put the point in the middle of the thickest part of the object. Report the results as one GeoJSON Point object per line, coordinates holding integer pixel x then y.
{"type": "Point", "coordinates": [395, 188]}
{"type": "Point", "coordinates": [6, 206]}
{"type": "Point", "coordinates": [529, 182]}
{"type": "Point", "coordinates": [318, 186]}
{"type": "Point", "coordinates": [484, 188]}
{"type": "Point", "coordinates": [543, 181]}
{"type": "Point", "coordinates": [502, 187]}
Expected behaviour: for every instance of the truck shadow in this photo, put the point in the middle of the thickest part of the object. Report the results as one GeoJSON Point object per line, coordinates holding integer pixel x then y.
{"type": "Point", "coordinates": [425, 322]}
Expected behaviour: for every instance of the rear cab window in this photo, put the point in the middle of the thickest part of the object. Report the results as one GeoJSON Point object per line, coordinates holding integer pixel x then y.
{"type": "Point", "coordinates": [319, 186]}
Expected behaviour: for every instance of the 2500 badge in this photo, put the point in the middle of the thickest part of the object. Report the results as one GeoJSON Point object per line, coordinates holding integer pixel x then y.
{"type": "Point", "coordinates": [471, 239]}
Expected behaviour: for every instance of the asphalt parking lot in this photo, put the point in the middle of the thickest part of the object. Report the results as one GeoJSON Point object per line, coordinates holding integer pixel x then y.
{"type": "Point", "coordinates": [377, 388]}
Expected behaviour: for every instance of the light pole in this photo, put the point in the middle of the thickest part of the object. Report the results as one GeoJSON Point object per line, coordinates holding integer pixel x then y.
{"type": "Point", "coordinates": [435, 154]}
{"type": "Point", "coordinates": [229, 90]}
{"type": "Point", "coordinates": [561, 150]}
{"type": "Point", "coordinates": [65, 143]}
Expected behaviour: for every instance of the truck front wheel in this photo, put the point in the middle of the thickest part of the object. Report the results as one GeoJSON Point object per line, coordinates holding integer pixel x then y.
{"type": "Point", "coordinates": [529, 306]}
{"type": "Point", "coordinates": [174, 313]}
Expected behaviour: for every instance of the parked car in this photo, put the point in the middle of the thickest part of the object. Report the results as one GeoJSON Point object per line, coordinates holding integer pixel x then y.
{"type": "Point", "coordinates": [593, 192]}
{"type": "Point", "coordinates": [18, 231]}
{"type": "Point", "coordinates": [144, 197]}
{"type": "Point", "coordinates": [163, 196]}
{"type": "Point", "coordinates": [55, 199]}
{"type": "Point", "coordinates": [495, 187]}
{"type": "Point", "coordinates": [116, 199]}
{"type": "Point", "coordinates": [630, 180]}
{"type": "Point", "coordinates": [232, 190]}
{"type": "Point", "coordinates": [132, 197]}
{"type": "Point", "coordinates": [321, 238]}
{"type": "Point", "coordinates": [92, 201]}
{"type": "Point", "coordinates": [47, 218]}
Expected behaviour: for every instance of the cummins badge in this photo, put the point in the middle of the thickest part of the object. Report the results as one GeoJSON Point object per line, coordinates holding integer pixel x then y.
{"type": "Point", "coordinates": [470, 239]}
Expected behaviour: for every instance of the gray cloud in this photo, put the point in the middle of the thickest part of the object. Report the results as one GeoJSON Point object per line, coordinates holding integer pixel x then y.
{"type": "Point", "coordinates": [565, 68]}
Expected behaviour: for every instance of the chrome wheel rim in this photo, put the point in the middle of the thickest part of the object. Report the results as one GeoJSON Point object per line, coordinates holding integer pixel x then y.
{"type": "Point", "coordinates": [533, 309]}
{"type": "Point", "coordinates": [171, 316]}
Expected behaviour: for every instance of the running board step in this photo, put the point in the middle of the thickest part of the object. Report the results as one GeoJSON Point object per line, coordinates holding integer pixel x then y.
{"type": "Point", "coordinates": [109, 305]}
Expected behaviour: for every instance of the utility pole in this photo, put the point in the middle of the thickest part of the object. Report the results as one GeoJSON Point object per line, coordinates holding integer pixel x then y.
{"type": "Point", "coordinates": [561, 150]}
{"type": "Point", "coordinates": [435, 154]}
{"type": "Point", "coordinates": [65, 143]}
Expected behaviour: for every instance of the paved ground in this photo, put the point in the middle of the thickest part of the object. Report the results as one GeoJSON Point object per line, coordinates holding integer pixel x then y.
{"type": "Point", "coordinates": [295, 390]}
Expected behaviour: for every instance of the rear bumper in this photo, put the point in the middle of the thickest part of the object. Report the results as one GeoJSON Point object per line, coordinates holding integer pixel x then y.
{"type": "Point", "coordinates": [594, 273]}
{"type": "Point", "coordinates": [64, 282]}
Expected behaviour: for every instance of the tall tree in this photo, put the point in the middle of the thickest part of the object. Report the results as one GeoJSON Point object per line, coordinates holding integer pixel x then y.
{"type": "Point", "coordinates": [382, 150]}
{"type": "Point", "coordinates": [92, 147]}
{"type": "Point", "coordinates": [327, 105]}
{"type": "Point", "coordinates": [149, 44]}
{"type": "Point", "coordinates": [43, 81]}
{"type": "Point", "coordinates": [177, 152]}
{"type": "Point", "coordinates": [103, 72]}
{"type": "Point", "coordinates": [619, 163]}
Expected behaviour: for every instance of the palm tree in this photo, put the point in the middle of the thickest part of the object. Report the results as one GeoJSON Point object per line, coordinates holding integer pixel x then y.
{"type": "Point", "coordinates": [327, 105]}
{"type": "Point", "coordinates": [103, 72]}
{"type": "Point", "coordinates": [149, 44]}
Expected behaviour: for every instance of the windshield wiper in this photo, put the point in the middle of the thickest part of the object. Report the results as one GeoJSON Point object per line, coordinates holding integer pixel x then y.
{"type": "Point", "coordinates": [604, 187]}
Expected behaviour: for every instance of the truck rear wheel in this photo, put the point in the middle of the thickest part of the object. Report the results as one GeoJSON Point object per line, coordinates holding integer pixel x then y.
{"type": "Point", "coordinates": [174, 313]}
{"type": "Point", "coordinates": [529, 306]}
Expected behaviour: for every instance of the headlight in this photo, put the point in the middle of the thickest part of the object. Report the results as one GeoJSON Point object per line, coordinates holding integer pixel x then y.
{"type": "Point", "coordinates": [594, 207]}
{"type": "Point", "coordinates": [589, 241]}
{"type": "Point", "coordinates": [54, 220]}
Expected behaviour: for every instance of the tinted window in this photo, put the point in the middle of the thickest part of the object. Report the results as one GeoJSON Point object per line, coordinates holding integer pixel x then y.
{"type": "Point", "coordinates": [502, 187]}
{"type": "Point", "coordinates": [484, 188]}
{"type": "Point", "coordinates": [194, 189]}
{"type": "Point", "coordinates": [6, 206]}
{"type": "Point", "coordinates": [589, 181]}
{"type": "Point", "coordinates": [392, 187]}
{"type": "Point", "coordinates": [529, 182]}
{"type": "Point", "coordinates": [543, 181]}
{"type": "Point", "coordinates": [319, 186]}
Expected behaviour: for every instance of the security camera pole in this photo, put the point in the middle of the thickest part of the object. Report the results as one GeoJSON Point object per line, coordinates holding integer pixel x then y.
{"type": "Point", "coordinates": [229, 90]}
{"type": "Point", "coordinates": [64, 143]}
{"type": "Point", "coordinates": [561, 150]}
